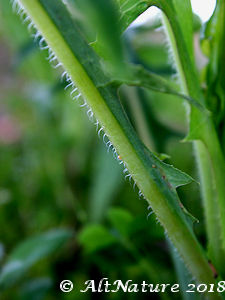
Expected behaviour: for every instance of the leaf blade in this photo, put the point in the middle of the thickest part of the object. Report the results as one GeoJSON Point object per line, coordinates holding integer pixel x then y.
{"type": "Point", "coordinates": [108, 110]}
{"type": "Point", "coordinates": [29, 252]}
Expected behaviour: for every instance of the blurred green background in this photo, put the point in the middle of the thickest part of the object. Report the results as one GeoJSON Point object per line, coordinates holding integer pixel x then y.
{"type": "Point", "coordinates": [66, 211]}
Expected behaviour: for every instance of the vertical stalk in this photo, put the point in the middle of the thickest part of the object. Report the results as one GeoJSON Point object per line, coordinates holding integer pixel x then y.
{"type": "Point", "coordinates": [208, 190]}
{"type": "Point", "coordinates": [213, 164]}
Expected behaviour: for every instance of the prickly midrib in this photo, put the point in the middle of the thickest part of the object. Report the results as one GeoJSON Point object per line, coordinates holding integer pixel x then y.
{"type": "Point", "coordinates": [86, 87]}
{"type": "Point", "coordinates": [176, 228]}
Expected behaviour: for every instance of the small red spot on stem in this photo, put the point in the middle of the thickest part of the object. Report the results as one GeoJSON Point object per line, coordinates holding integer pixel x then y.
{"type": "Point", "coordinates": [215, 274]}
{"type": "Point", "coordinates": [181, 205]}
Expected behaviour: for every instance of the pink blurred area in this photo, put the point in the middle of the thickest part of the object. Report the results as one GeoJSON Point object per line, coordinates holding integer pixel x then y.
{"type": "Point", "coordinates": [10, 131]}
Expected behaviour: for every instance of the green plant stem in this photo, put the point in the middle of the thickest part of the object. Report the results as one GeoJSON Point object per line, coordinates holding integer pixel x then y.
{"type": "Point", "coordinates": [205, 132]}
{"type": "Point", "coordinates": [208, 191]}
{"type": "Point", "coordinates": [176, 228]}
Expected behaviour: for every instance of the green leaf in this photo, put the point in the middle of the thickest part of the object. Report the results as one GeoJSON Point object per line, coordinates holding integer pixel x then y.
{"type": "Point", "coordinates": [174, 179]}
{"type": "Point", "coordinates": [105, 184]}
{"type": "Point", "coordinates": [84, 67]}
{"type": "Point", "coordinates": [130, 10]}
{"type": "Point", "coordinates": [29, 252]}
{"type": "Point", "coordinates": [121, 220]}
{"type": "Point", "coordinates": [95, 237]}
{"type": "Point", "coordinates": [174, 176]}
{"type": "Point", "coordinates": [139, 76]}
{"type": "Point", "coordinates": [109, 96]}
{"type": "Point", "coordinates": [36, 289]}
{"type": "Point", "coordinates": [103, 17]}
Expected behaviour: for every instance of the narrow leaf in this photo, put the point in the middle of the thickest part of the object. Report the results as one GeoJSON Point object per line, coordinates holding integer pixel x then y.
{"type": "Point", "coordinates": [103, 191]}
{"type": "Point", "coordinates": [63, 36]}
{"type": "Point", "coordinates": [30, 252]}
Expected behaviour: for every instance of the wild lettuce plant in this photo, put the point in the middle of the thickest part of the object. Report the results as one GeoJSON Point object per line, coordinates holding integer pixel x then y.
{"type": "Point", "coordinates": [83, 39]}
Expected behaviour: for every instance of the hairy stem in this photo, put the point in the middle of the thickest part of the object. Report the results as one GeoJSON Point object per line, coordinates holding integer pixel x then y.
{"type": "Point", "coordinates": [208, 190]}
{"type": "Point", "coordinates": [205, 131]}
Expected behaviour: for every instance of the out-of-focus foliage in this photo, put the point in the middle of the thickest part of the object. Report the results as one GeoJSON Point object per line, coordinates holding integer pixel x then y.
{"type": "Point", "coordinates": [56, 176]}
